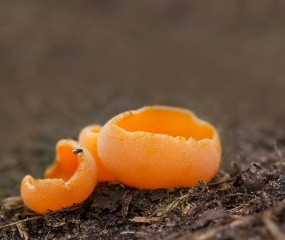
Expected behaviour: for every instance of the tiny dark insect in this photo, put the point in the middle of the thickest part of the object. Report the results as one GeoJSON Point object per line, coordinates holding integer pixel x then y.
{"type": "Point", "coordinates": [77, 150]}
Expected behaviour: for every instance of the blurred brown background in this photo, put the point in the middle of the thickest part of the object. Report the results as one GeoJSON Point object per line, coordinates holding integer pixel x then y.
{"type": "Point", "coordinates": [66, 64]}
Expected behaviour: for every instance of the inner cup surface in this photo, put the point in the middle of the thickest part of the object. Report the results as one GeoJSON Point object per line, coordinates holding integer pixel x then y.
{"type": "Point", "coordinates": [168, 122]}
{"type": "Point", "coordinates": [66, 165]}
{"type": "Point", "coordinates": [95, 130]}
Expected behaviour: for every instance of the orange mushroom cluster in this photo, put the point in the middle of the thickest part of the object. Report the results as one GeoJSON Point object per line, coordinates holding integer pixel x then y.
{"type": "Point", "coordinates": [150, 148]}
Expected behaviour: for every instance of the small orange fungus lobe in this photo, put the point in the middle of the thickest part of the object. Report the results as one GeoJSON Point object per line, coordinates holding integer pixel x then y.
{"type": "Point", "coordinates": [88, 137]}
{"type": "Point", "coordinates": [160, 147]}
{"type": "Point", "coordinates": [71, 179]}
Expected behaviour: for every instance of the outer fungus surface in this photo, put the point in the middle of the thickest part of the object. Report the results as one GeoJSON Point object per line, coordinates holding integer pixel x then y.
{"type": "Point", "coordinates": [71, 179]}
{"type": "Point", "coordinates": [160, 147]}
{"type": "Point", "coordinates": [88, 137]}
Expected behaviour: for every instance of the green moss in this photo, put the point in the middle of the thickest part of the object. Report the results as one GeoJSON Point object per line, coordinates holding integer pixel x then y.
{"type": "Point", "coordinates": [141, 202]}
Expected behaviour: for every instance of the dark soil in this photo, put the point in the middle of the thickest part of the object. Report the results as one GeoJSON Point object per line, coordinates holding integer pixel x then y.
{"type": "Point", "coordinates": [66, 65]}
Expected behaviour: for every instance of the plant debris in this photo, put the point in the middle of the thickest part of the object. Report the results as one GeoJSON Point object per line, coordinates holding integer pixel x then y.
{"type": "Point", "coordinates": [247, 202]}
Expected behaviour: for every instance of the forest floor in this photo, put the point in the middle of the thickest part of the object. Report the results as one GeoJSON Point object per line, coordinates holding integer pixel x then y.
{"type": "Point", "coordinates": [63, 67]}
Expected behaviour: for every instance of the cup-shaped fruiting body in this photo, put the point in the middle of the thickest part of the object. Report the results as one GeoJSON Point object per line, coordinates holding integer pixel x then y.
{"type": "Point", "coordinates": [160, 147]}
{"type": "Point", "coordinates": [88, 137]}
{"type": "Point", "coordinates": [71, 179]}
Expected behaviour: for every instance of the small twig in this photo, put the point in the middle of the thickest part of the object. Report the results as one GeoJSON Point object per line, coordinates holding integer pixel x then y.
{"type": "Point", "coordinates": [279, 154]}
{"type": "Point", "coordinates": [189, 209]}
{"type": "Point", "coordinates": [178, 201]}
{"type": "Point", "coordinates": [272, 227]}
{"type": "Point", "coordinates": [238, 223]}
{"type": "Point", "coordinates": [132, 232]}
{"type": "Point", "coordinates": [23, 231]}
{"type": "Point", "coordinates": [127, 198]}
{"type": "Point", "coordinates": [144, 219]}
{"type": "Point", "coordinates": [239, 194]}
{"type": "Point", "coordinates": [46, 237]}
{"type": "Point", "coordinates": [222, 181]}
{"type": "Point", "coordinates": [128, 232]}
{"type": "Point", "coordinates": [21, 221]}
{"type": "Point", "coordinates": [94, 215]}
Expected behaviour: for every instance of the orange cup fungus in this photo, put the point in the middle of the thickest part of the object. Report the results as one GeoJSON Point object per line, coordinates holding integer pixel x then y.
{"type": "Point", "coordinates": [71, 179]}
{"type": "Point", "coordinates": [88, 137]}
{"type": "Point", "coordinates": [159, 147]}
